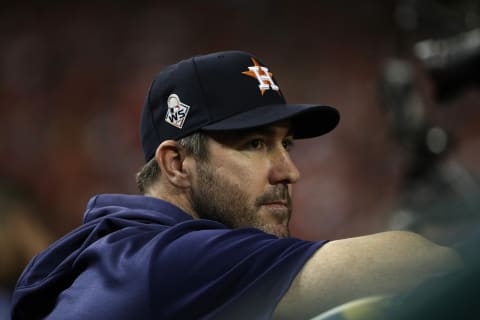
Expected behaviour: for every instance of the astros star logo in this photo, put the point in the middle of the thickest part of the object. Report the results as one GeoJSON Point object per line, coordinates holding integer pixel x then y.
{"type": "Point", "coordinates": [264, 77]}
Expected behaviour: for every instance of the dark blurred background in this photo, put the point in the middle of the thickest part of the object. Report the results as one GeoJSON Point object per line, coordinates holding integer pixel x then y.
{"type": "Point", "coordinates": [404, 75]}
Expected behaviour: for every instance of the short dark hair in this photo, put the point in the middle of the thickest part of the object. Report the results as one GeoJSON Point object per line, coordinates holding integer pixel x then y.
{"type": "Point", "coordinates": [195, 144]}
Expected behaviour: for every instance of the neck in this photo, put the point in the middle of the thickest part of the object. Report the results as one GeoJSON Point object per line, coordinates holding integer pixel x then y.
{"type": "Point", "coordinates": [178, 198]}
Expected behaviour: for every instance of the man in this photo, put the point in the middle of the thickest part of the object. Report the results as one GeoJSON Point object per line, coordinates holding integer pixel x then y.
{"type": "Point", "coordinates": [209, 238]}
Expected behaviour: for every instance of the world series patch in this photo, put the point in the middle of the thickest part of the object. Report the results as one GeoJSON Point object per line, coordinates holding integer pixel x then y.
{"type": "Point", "coordinates": [177, 111]}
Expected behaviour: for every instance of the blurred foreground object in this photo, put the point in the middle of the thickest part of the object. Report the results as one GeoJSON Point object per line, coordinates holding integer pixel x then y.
{"type": "Point", "coordinates": [368, 308]}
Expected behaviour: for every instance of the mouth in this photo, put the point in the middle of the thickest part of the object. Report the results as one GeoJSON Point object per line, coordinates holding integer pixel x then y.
{"type": "Point", "coordinates": [279, 210]}
{"type": "Point", "coordinates": [280, 204]}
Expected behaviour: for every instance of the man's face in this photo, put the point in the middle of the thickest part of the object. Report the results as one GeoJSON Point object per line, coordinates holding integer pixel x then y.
{"type": "Point", "coordinates": [246, 182]}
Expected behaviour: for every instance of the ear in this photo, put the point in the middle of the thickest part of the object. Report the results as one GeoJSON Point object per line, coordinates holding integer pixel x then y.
{"type": "Point", "coordinates": [170, 158]}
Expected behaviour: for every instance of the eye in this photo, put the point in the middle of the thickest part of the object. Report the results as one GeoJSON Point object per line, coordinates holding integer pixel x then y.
{"type": "Point", "coordinates": [287, 143]}
{"type": "Point", "coordinates": [256, 144]}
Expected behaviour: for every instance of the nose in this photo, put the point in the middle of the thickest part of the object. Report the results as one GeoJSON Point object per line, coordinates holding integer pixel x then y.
{"type": "Point", "coordinates": [283, 170]}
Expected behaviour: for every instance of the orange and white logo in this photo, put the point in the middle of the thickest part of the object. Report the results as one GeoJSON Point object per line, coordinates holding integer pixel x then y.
{"type": "Point", "coordinates": [264, 77]}
{"type": "Point", "coordinates": [177, 111]}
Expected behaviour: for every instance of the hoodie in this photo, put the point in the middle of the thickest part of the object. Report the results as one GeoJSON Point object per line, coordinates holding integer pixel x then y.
{"type": "Point", "coordinates": [137, 257]}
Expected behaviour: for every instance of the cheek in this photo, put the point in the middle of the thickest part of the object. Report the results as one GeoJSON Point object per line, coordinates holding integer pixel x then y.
{"type": "Point", "coordinates": [250, 172]}
{"type": "Point", "coordinates": [251, 177]}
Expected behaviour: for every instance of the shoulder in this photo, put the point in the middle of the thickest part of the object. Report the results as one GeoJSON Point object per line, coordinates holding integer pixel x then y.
{"type": "Point", "coordinates": [202, 241]}
{"type": "Point", "coordinates": [238, 269]}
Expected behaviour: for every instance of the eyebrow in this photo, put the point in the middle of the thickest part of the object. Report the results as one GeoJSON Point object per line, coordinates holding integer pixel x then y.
{"type": "Point", "coordinates": [264, 130]}
{"type": "Point", "coordinates": [236, 135]}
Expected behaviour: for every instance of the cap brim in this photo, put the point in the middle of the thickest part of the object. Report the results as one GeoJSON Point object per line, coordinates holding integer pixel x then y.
{"type": "Point", "coordinates": [308, 121]}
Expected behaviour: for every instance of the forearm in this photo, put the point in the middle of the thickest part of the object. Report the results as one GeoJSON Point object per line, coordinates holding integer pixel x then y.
{"type": "Point", "coordinates": [384, 263]}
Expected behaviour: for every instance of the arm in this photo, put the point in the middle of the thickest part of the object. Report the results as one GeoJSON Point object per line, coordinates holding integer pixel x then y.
{"type": "Point", "coordinates": [343, 270]}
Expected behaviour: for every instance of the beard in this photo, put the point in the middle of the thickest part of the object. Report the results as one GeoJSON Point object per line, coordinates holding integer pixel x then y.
{"type": "Point", "coordinates": [216, 198]}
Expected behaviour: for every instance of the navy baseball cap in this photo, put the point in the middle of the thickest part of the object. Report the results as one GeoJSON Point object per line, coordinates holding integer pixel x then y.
{"type": "Point", "coordinates": [231, 90]}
